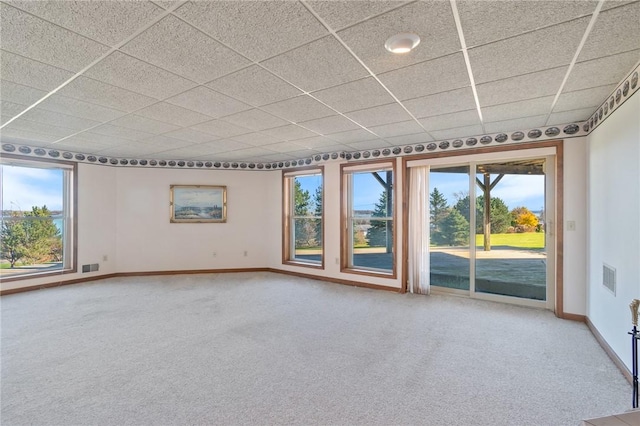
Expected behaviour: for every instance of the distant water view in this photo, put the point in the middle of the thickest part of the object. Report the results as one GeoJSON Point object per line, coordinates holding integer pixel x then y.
{"type": "Point", "coordinates": [58, 222]}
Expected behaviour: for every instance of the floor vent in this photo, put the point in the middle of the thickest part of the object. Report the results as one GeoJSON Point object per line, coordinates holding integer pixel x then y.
{"type": "Point", "coordinates": [609, 278]}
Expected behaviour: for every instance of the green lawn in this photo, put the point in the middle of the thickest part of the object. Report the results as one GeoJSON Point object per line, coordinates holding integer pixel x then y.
{"type": "Point", "coordinates": [528, 240]}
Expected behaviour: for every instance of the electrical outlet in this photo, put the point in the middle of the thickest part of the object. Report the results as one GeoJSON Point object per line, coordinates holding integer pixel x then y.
{"type": "Point", "coordinates": [571, 225]}
{"type": "Point", "coordinates": [214, 254]}
{"type": "Point", "coordinates": [246, 253]}
{"type": "Point", "coordinates": [337, 260]}
{"type": "Point", "coordinates": [105, 258]}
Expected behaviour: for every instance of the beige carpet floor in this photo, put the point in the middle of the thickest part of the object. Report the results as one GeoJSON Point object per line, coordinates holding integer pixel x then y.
{"type": "Point", "coordinates": [264, 348]}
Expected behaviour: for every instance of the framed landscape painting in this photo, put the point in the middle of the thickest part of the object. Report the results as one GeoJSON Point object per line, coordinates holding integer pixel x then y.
{"type": "Point", "coordinates": [198, 204]}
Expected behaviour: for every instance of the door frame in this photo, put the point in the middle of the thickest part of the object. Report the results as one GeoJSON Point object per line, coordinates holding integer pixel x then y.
{"type": "Point", "coordinates": [555, 299]}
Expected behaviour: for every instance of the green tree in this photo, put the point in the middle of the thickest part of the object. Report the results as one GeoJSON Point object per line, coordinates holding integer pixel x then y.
{"type": "Point", "coordinates": [438, 211]}
{"type": "Point", "coordinates": [377, 233]}
{"type": "Point", "coordinates": [317, 202]}
{"type": "Point", "coordinates": [500, 216]}
{"type": "Point", "coordinates": [14, 239]}
{"type": "Point", "coordinates": [43, 237]}
{"type": "Point", "coordinates": [303, 226]}
{"type": "Point", "coordinates": [34, 238]}
{"type": "Point", "coordinates": [455, 229]}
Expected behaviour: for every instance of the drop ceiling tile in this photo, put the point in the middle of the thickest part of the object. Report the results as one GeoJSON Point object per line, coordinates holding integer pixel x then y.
{"type": "Point", "coordinates": [303, 153]}
{"type": "Point", "coordinates": [331, 124]}
{"type": "Point", "coordinates": [518, 124]}
{"type": "Point", "coordinates": [190, 135]}
{"type": "Point", "coordinates": [120, 132]}
{"type": "Point", "coordinates": [19, 136]}
{"type": "Point", "coordinates": [290, 132]}
{"type": "Point", "coordinates": [458, 132]}
{"type": "Point", "coordinates": [615, 31]}
{"type": "Point", "coordinates": [409, 139]}
{"type": "Point", "coordinates": [442, 103]}
{"type": "Point", "coordinates": [397, 129]}
{"type": "Point", "coordinates": [487, 21]}
{"type": "Point", "coordinates": [187, 153]}
{"type": "Point", "coordinates": [248, 153]}
{"type": "Point", "coordinates": [173, 114]}
{"type": "Point", "coordinates": [333, 148]}
{"type": "Point", "coordinates": [426, 78]}
{"type": "Point", "coordinates": [370, 144]}
{"type": "Point", "coordinates": [431, 20]}
{"type": "Point", "coordinates": [19, 93]}
{"type": "Point", "coordinates": [77, 108]}
{"type": "Point", "coordinates": [535, 51]}
{"type": "Point", "coordinates": [574, 116]}
{"type": "Point", "coordinates": [518, 109]}
{"type": "Point", "coordinates": [316, 142]}
{"type": "Point", "coordinates": [207, 101]}
{"type": "Point", "coordinates": [241, 25]}
{"type": "Point", "coordinates": [108, 22]}
{"type": "Point", "coordinates": [385, 114]}
{"type": "Point", "coordinates": [57, 119]}
{"type": "Point", "coordinates": [21, 70]}
{"type": "Point", "coordinates": [126, 150]}
{"type": "Point", "coordinates": [160, 142]}
{"type": "Point", "coordinates": [283, 147]}
{"type": "Point", "coordinates": [42, 41]}
{"type": "Point", "coordinates": [220, 128]}
{"type": "Point", "coordinates": [224, 145]}
{"type": "Point", "coordinates": [99, 93]}
{"type": "Point", "coordinates": [255, 86]}
{"type": "Point", "coordinates": [143, 124]}
{"type": "Point", "coordinates": [355, 95]}
{"type": "Point", "coordinates": [352, 136]}
{"type": "Point", "coordinates": [298, 109]}
{"type": "Point", "coordinates": [599, 72]}
{"type": "Point", "coordinates": [83, 143]}
{"type": "Point", "coordinates": [339, 14]}
{"type": "Point", "coordinates": [521, 87]}
{"type": "Point", "coordinates": [256, 139]}
{"type": "Point", "coordinates": [255, 119]}
{"type": "Point", "coordinates": [448, 121]}
{"type": "Point", "coordinates": [56, 132]}
{"type": "Point", "coordinates": [278, 157]}
{"type": "Point", "coordinates": [107, 141]}
{"type": "Point", "coordinates": [583, 98]}
{"type": "Point", "coordinates": [178, 47]}
{"type": "Point", "coordinates": [10, 109]}
{"type": "Point", "coordinates": [132, 74]}
{"type": "Point", "coordinates": [318, 65]}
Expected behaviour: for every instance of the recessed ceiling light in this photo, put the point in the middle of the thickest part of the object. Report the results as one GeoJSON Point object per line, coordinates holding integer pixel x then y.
{"type": "Point", "coordinates": [402, 43]}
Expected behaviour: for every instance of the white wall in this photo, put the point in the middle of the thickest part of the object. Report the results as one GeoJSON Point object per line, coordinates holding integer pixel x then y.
{"type": "Point", "coordinates": [146, 241]}
{"type": "Point", "coordinates": [614, 222]}
{"type": "Point", "coordinates": [575, 210]}
{"type": "Point", "coordinates": [96, 226]}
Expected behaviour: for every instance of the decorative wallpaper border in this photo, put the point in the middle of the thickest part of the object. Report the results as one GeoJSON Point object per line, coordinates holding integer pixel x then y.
{"type": "Point", "coordinates": [623, 92]}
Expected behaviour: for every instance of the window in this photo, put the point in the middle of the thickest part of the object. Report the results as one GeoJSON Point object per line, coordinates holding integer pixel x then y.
{"type": "Point", "coordinates": [303, 217]}
{"type": "Point", "coordinates": [38, 221]}
{"type": "Point", "coordinates": [368, 216]}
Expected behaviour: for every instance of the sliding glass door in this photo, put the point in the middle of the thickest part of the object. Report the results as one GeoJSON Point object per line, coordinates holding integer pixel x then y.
{"type": "Point", "coordinates": [491, 219]}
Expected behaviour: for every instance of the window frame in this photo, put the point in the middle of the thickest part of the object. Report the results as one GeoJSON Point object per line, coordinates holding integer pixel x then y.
{"type": "Point", "coordinates": [288, 238]}
{"type": "Point", "coordinates": [346, 210]}
{"type": "Point", "coordinates": [70, 203]}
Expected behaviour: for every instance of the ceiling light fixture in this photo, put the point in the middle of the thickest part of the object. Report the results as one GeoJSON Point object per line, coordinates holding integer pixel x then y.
{"type": "Point", "coordinates": [402, 43]}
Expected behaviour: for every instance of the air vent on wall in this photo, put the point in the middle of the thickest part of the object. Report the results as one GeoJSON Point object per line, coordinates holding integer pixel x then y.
{"type": "Point", "coordinates": [609, 278]}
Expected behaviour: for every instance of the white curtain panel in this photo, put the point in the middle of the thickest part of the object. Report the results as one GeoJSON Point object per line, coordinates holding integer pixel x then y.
{"type": "Point", "coordinates": [419, 221]}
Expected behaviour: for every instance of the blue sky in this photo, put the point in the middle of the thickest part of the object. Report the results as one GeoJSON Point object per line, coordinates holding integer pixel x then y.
{"type": "Point", "coordinates": [25, 187]}
{"type": "Point", "coordinates": [514, 190]}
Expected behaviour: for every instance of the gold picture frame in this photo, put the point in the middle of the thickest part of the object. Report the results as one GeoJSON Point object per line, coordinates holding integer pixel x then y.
{"type": "Point", "coordinates": [198, 204]}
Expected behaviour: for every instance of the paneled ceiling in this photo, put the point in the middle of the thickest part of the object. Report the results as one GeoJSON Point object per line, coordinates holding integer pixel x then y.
{"type": "Point", "coordinates": [279, 80]}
